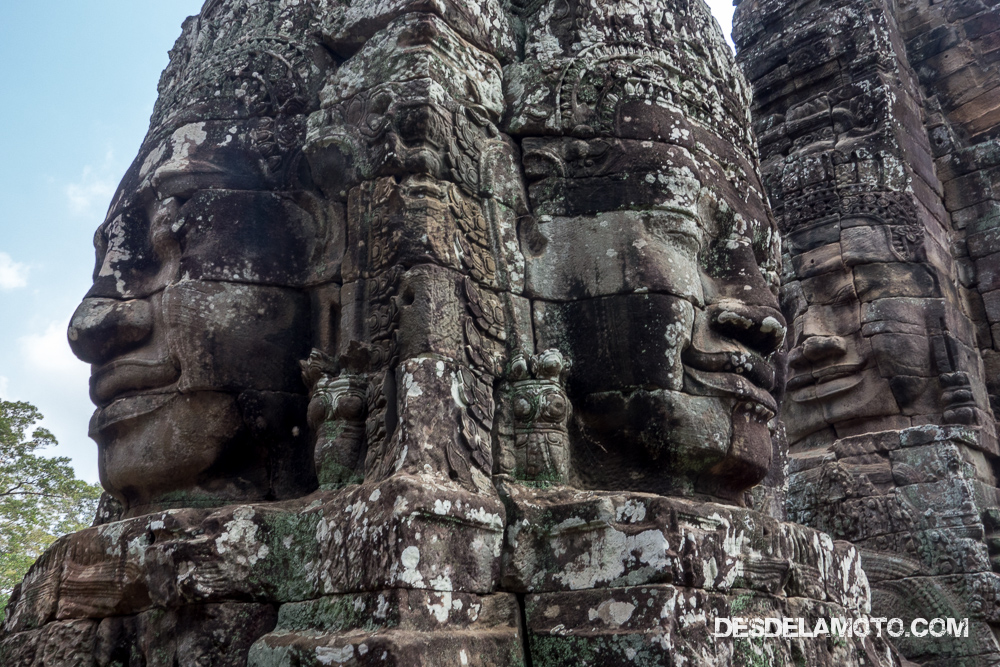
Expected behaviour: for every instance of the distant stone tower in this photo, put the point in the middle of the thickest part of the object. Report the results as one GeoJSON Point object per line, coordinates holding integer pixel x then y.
{"type": "Point", "coordinates": [440, 334]}
{"type": "Point", "coordinates": [878, 125]}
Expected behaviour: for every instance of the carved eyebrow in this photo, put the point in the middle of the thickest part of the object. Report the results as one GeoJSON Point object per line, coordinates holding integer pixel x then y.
{"type": "Point", "coordinates": [681, 222]}
{"type": "Point", "coordinates": [100, 237]}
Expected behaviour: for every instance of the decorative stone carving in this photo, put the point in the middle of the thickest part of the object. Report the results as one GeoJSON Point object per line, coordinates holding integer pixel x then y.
{"type": "Point", "coordinates": [336, 413]}
{"type": "Point", "coordinates": [860, 142]}
{"type": "Point", "coordinates": [450, 333]}
{"type": "Point", "coordinates": [537, 449]}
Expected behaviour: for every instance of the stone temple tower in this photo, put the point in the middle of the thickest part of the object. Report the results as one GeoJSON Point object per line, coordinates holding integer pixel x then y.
{"type": "Point", "coordinates": [457, 333]}
{"type": "Point", "coordinates": [878, 125]}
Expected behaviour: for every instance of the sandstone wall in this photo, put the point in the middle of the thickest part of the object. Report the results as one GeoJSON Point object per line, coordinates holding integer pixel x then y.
{"type": "Point", "coordinates": [864, 110]}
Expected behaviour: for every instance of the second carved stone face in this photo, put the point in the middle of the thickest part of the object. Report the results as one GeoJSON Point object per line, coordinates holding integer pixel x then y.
{"type": "Point", "coordinates": [834, 380]}
{"type": "Point", "coordinates": [670, 317]}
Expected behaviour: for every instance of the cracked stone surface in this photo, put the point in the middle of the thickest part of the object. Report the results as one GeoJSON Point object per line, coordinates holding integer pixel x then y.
{"type": "Point", "coordinates": [464, 333]}
{"type": "Point", "coordinates": [877, 126]}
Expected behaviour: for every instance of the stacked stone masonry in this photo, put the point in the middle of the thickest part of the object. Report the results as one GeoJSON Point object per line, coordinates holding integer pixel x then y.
{"type": "Point", "coordinates": [456, 333]}
{"type": "Point", "coordinates": [875, 122]}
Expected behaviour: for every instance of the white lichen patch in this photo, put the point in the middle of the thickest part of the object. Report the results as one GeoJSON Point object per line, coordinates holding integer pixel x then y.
{"type": "Point", "coordinates": [112, 532]}
{"type": "Point", "coordinates": [611, 555]}
{"type": "Point", "coordinates": [382, 610]}
{"type": "Point", "coordinates": [491, 520]}
{"type": "Point", "coordinates": [771, 325]}
{"type": "Point", "coordinates": [409, 561]}
{"type": "Point", "coordinates": [631, 511]}
{"type": "Point", "coordinates": [239, 537]}
{"type": "Point", "coordinates": [710, 570]}
{"type": "Point", "coordinates": [400, 507]}
{"type": "Point", "coordinates": [411, 386]}
{"type": "Point", "coordinates": [328, 655]}
{"type": "Point", "coordinates": [442, 609]}
{"type": "Point", "coordinates": [613, 612]}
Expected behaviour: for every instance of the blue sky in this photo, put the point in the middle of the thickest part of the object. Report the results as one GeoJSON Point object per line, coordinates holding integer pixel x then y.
{"type": "Point", "coordinates": [80, 82]}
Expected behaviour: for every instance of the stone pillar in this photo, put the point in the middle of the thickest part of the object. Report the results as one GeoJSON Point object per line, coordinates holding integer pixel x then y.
{"type": "Point", "coordinates": [891, 431]}
{"type": "Point", "coordinates": [525, 258]}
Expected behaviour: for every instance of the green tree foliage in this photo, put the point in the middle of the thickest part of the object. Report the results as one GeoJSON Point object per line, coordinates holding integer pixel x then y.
{"type": "Point", "coordinates": [40, 497]}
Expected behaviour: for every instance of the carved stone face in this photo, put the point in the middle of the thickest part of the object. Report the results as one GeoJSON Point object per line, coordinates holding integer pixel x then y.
{"type": "Point", "coordinates": [195, 324]}
{"type": "Point", "coordinates": [833, 377]}
{"type": "Point", "coordinates": [669, 316]}
{"type": "Point", "coordinates": [861, 356]}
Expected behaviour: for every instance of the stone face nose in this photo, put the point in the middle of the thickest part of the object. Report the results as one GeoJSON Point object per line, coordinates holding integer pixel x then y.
{"type": "Point", "coordinates": [101, 329]}
{"type": "Point", "coordinates": [817, 348]}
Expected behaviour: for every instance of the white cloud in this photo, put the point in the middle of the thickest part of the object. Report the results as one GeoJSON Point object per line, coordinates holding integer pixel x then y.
{"type": "Point", "coordinates": [49, 353]}
{"type": "Point", "coordinates": [92, 193]}
{"type": "Point", "coordinates": [4, 388]}
{"type": "Point", "coordinates": [12, 274]}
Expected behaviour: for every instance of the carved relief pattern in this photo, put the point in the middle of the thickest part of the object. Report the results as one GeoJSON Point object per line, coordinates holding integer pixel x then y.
{"type": "Point", "coordinates": [368, 461]}
{"type": "Point", "coordinates": [485, 330]}
{"type": "Point", "coordinates": [476, 421]}
{"type": "Point", "coordinates": [475, 238]}
{"type": "Point", "coordinates": [541, 412]}
{"type": "Point", "coordinates": [382, 317]}
{"type": "Point", "coordinates": [376, 434]}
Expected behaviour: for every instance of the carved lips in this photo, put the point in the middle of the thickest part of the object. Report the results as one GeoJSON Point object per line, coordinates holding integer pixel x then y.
{"type": "Point", "coordinates": [825, 382]}
{"type": "Point", "coordinates": [731, 357]}
{"type": "Point", "coordinates": [125, 376]}
{"type": "Point", "coordinates": [740, 387]}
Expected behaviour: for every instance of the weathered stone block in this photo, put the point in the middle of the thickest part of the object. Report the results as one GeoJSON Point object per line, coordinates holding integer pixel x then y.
{"type": "Point", "coordinates": [933, 463]}
{"type": "Point", "coordinates": [804, 237]}
{"type": "Point", "coordinates": [61, 644]}
{"type": "Point", "coordinates": [485, 24]}
{"type": "Point", "coordinates": [859, 395]}
{"type": "Point", "coordinates": [403, 627]}
{"type": "Point", "coordinates": [421, 46]}
{"type": "Point", "coordinates": [903, 354]}
{"type": "Point", "coordinates": [879, 281]}
{"type": "Point", "coordinates": [916, 317]}
{"type": "Point", "coordinates": [824, 259]}
{"type": "Point", "coordinates": [830, 289]}
{"type": "Point", "coordinates": [870, 443]}
{"type": "Point", "coordinates": [214, 634]}
{"type": "Point", "coordinates": [259, 238]}
{"type": "Point", "coordinates": [923, 435]}
{"type": "Point", "coordinates": [841, 319]}
{"type": "Point", "coordinates": [657, 625]}
{"type": "Point", "coordinates": [617, 342]}
{"type": "Point", "coordinates": [663, 109]}
{"type": "Point", "coordinates": [606, 540]}
{"type": "Point", "coordinates": [865, 245]}
{"type": "Point", "coordinates": [270, 324]}
{"type": "Point", "coordinates": [575, 177]}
